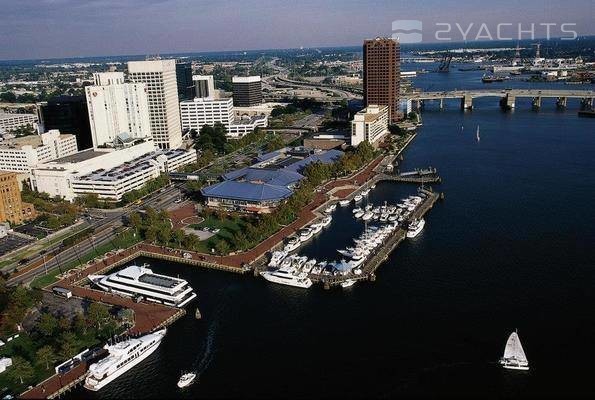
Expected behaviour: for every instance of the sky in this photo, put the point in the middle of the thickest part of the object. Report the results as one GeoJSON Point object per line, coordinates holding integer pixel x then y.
{"type": "Point", "coordinates": [31, 29]}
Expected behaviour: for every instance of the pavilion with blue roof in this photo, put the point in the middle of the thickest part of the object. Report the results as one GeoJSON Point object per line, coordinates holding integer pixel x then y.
{"type": "Point", "coordinates": [261, 187]}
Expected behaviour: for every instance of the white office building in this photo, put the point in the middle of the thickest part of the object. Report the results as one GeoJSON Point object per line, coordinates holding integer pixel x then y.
{"type": "Point", "coordinates": [199, 112]}
{"type": "Point", "coordinates": [23, 153]}
{"type": "Point", "coordinates": [370, 124]}
{"type": "Point", "coordinates": [204, 86]}
{"type": "Point", "coordinates": [9, 122]}
{"type": "Point", "coordinates": [159, 77]}
{"type": "Point", "coordinates": [109, 173]}
{"type": "Point", "coordinates": [116, 107]}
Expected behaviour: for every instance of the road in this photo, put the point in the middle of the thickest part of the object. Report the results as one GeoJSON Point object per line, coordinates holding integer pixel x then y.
{"type": "Point", "coordinates": [105, 229]}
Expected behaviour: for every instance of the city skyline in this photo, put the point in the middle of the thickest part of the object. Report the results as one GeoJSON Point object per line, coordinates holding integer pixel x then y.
{"type": "Point", "coordinates": [108, 28]}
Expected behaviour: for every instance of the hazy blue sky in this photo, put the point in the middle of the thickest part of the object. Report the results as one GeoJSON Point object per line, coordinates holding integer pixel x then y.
{"type": "Point", "coordinates": [64, 28]}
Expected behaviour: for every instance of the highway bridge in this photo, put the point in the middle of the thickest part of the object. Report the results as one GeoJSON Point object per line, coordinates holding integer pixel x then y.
{"type": "Point", "coordinates": [507, 97]}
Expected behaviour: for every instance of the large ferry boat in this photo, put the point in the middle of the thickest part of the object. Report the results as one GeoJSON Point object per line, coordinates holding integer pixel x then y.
{"type": "Point", "coordinates": [135, 281]}
{"type": "Point", "coordinates": [122, 357]}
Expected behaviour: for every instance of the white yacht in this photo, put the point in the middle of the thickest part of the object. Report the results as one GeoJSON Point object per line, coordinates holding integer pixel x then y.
{"type": "Point", "coordinates": [316, 228]}
{"type": "Point", "coordinates": [415, 227]}
{"type": "Point", "coordinates": [514, 355]}
{"type": "Point", "coordinates": [367, 215]}
{"type": "Point", "coordinates": [276, 258]}
{"type": "Point", "coordinates": [186, 379]}
{"type": "Point", "coordinates": [344, 203]}
{"type": "Point", "coordinates": [359, 214]}
{"type": "Point", "coordinates": [330, 208]}
{"type": "Point", "coordinates": [356, 210]}
{"type": "Point", "coordinates": [288, 276]}
{"type": "Point", "coordinates": [358, 198]}
{"type": "Point", "coordinates": [366, 192]}
{"type": "Point", "coordinates": [292, 244]}
{"type": "Point", "coordinates": [307, 268]}
{"type": "Point", "coordinates": [326, 221]}
{"type": "Point", "coordinates": [122, 357]}
{"type": "Point", "coordinates": [348, 283]}
{"type": "Point", "coordinates": [135, 281]}
{"type": "Point", "coordinates": [306, 234]}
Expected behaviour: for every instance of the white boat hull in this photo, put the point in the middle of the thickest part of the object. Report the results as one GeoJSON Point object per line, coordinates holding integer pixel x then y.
{"type": "Point", "coordinates": [305, 284]}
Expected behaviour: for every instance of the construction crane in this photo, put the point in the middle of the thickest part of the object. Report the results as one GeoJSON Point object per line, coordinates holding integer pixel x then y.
{"type": "Point", "coordinates": [445, 63]}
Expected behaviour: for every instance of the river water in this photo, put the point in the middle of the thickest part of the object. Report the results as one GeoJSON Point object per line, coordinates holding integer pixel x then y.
{"type": "Point", "coordinates": [511, 247]}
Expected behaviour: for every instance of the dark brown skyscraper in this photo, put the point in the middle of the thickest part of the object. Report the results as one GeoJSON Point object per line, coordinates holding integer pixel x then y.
{"type": "Point", "coordinates": [382, 70]}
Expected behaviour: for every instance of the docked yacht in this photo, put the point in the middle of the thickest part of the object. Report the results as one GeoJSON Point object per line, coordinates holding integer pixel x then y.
{"type": "Point", "coordinates": [306, 234]}
{"type": "Point", "coordinates": [326, 221]}
{"type": "Point", "coordinates": [358, 198]}
{"type": "Point", "coordinates": [348, 283]}
{"type": "Point", "coordinates": [292, 244]}
{"type": "Point", "coordinates": [359, 214]}
{"type": "Point", "coordinates": [356, 210]}
{"type": "Point", "coordinates": [415, 227]}
{"type": "Point", "coordinates": [330, 208]}
{"type": "Point", "coordinates": [276, 258]}
{"type": "Point", "coordinates": [344, 203]}
{"type": "Point", "coordinates": [122, 357]}
{"type": "Point", "coordinates": [135, 281]}
{"type": "Point", "coordinates": [316, 228]}
{"type": "Point", "coordinates": [288, 276]}
{"type": "Point", "coordinates": [307, 268]}
{"type": "Point", "coordinates": [514, 355]}
{"type": "Point", "coordinates": [365, 192]}
{"type": "Point", "coordinates": [367, 215]}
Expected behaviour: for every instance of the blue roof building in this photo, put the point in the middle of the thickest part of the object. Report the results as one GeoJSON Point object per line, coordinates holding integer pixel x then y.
{"type": "Point", "coordinates": [261, 188]}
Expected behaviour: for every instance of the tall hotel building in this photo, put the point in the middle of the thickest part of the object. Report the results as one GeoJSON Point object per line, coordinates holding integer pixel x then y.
{"type": "Point", "coordinates": [159, 77]}
{"type": "Point", "coordinates": [116, 107]}
{"type": "Point", "coordinates": [382, 68]}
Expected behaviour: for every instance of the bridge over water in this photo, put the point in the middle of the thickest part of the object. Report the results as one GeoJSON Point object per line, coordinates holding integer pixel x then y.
{"type": "Point", "coordinates": [507, 97]}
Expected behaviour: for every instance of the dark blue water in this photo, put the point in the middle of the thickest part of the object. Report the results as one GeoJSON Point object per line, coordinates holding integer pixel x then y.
{"type": "Point", "coordinates": [512, 246]}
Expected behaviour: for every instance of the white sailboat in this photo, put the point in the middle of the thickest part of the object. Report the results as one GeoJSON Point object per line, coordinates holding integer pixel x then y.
{"type": "Point", "coordinates": [514, 355]}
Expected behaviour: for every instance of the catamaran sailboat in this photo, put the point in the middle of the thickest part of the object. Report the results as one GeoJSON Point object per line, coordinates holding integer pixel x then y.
{"type": "Point", "coordinates": [514, 355]}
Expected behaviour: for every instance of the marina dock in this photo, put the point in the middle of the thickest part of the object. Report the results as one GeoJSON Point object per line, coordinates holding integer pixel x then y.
{"type": "Point", "coordinates": [371, 265]}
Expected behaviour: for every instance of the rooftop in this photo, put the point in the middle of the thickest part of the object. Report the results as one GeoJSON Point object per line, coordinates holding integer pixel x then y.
{"type": "Point", "coordinates": [80, 156]}
{"type": "Point", "coordinates": [247, 191]}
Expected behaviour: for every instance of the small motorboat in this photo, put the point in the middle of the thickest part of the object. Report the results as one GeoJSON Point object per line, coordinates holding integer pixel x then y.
{"type": "Point", "coordinates": [186, 379]}
{"type": "Point", "coordinates": [348, 283]}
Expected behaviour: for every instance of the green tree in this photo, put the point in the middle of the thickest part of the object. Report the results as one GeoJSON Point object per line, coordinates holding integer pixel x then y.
{"type": "Point", "coordinates": [164, 235]}
{"type": "Point", "coordinates": [68, 345]}
{"type": "Point", "coordinates": [46, 356]}
{"type": "Point", "coordinates": [8, 97]}
{"type": "Point", "coordinates": [21, 370]}
{"type": "Point", "coordinates": [178, 236]}
{"type": "Point", "coordinates": [47, 324]}
{"type": "Point", "coordinates": [97, 314]}
{"type": "Point", "coordinates": [222, 247]}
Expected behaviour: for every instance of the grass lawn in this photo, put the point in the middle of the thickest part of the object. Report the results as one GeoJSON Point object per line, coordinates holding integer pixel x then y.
{"type": "Point", "coordinates": [227, 228]}
{"type": "Point", "coordinates": [123, 241]}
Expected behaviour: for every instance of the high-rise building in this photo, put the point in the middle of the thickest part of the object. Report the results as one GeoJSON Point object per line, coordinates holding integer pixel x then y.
{"type": "Point", "coordinates": [159, 77]}
{"type": "Point", "coordinates": [117, 107]}
{"type": "Point", "coordinates": [370, 125]}
{"type": "Point", "coordinates": [69, 115]}
{"type": "Point", "coordinates": [12, 209]}
{"type": "Point", "coordinates": [204, 86]}
{"type": "Point", "coordinates": [247, 91]}
{"type": "Point", "coordinates": [184, 80]}
{"type": "Point", "coordinates": [382, 66]}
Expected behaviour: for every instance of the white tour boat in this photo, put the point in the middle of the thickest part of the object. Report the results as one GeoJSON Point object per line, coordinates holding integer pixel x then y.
{"type": "Point", "coordinates": [135, 281]}
{"type": "Point", "coordinates": [122, 357]}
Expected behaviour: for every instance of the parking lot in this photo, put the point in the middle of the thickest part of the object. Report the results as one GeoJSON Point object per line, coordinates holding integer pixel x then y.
{"type": "Point", "coordinates": [12, 242]}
